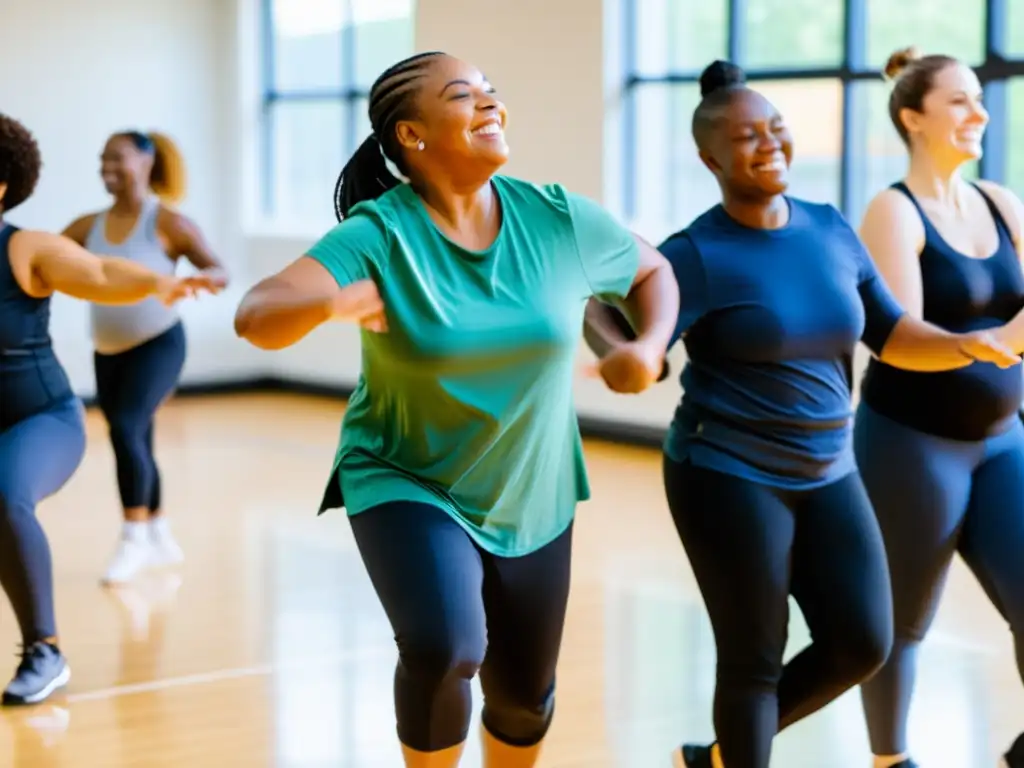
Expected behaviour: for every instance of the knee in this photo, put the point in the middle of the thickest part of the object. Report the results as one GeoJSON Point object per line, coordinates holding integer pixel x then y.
{"type": "Point", "coordinates": [431, 659]}
{"type": "Point", "coordinates": [863, 651]}
{"type": "Point", "coordinates": [126, 435]}
{"type": "Point", "coordinates": [518, 715]}
{"type": "Point", "coordinates": [11, 508]}
{"type": "Point", "coordinates": [750, 668]}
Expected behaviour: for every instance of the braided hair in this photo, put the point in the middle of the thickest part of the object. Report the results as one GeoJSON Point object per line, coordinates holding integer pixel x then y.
{"type": "Point", "coordinates": [366, 175]}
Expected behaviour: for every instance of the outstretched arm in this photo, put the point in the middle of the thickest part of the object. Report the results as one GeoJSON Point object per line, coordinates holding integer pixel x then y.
{"type": "Point", "coordinates": [45, 263]}
{"type": "Point", "coordinates": [283, 309]}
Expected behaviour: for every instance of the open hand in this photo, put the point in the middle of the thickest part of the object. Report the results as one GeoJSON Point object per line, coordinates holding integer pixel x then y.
{"type": "Point", "coordinates": [360, 303]}
{"type": "Point", "coordinates": [986, 347]}
{"type": "Point", "coordinates": [171, 290]}
{"type": "Point", "coordinates": [629, 368]}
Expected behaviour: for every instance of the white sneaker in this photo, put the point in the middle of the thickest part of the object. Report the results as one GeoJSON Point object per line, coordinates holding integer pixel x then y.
{"type": "Point", "coordinates": [166, 550]}
{"type": "Point", "coordinates": [131, 558]}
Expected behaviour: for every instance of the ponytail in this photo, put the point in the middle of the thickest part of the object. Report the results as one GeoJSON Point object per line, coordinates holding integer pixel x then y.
{"type": "Point", "coordinates": [168, 180]}
{"type": "Point", "coordinates": [366, 176]}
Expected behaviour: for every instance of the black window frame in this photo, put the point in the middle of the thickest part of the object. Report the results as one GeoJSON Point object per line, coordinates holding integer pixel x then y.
{"type": "Point", "coordinates": [995, 71]}
{"type": "Point", "coordinates": [349, 94]}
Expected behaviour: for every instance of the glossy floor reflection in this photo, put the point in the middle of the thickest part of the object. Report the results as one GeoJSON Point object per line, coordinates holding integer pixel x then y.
{"type": "Point", "coordinates": [268, 648]}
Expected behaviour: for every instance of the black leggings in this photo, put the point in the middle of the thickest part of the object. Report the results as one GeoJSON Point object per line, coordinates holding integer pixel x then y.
{"type": "Point", "coordinates": [750, 547]}
{"type": "Point", "coordinates": [38, 455]}
{"type": "Point", "coordinates": [934, 497]}
{"type": "Point", "coordinates": [130, 386]}
{"type": "Point", "coordinates": [456, 610]}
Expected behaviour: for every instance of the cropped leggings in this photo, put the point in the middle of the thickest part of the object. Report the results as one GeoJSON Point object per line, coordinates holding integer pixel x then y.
{"type": "Point", "coordinates": [750, 547]}
{"type": "Point", "coordinates": [130, 387]}
{"type": "Point", "coordinates": [38, 455]}
{"type": "Point", "coordinates": [934, 497]}
{"type": "Point", "coordinates": [457, 610]}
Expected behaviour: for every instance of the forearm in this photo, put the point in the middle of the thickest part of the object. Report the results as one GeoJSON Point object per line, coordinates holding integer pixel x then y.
{"type": "Point", "coordinates": [277, 317]}
{"type": "Point", "coordinates": [915, 345]}
{"type": "Point", "coordinates": [120, 281]}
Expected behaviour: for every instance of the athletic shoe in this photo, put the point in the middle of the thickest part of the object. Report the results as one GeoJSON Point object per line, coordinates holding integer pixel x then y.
{"type": "Point", "coordinates": [1015, 757]}
{"type": "Point", "coordinates": [692, 756]}
{"type": "Point", "coordinates": [166, 550]}
{"type": "Point", "coordinates": [131, 558]}
{"type": "Point", "coordinates": [42, 671]}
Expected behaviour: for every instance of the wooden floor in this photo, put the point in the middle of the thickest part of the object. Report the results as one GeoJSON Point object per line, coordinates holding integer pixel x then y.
{"type": "Point", "coordinates": [270, 649]}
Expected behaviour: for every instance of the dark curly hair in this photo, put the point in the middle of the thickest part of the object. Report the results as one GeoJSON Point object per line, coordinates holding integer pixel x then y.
{"type": "Point", "coordinates": [20, 162]}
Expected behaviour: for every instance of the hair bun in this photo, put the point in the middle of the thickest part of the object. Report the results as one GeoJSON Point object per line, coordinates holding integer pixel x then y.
{"type": "Point", "coordinates": [900, 60]}
{"type": "Point", "coordinates": [718, 75]}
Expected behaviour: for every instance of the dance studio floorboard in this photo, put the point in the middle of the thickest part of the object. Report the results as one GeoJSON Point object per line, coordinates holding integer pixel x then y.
{"type": "Point", "coordinates": [268, 647]}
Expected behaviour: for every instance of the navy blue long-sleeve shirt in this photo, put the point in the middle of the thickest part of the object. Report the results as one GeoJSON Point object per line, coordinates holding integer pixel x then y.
{"type": "Point", "coordinates": [770, 319]}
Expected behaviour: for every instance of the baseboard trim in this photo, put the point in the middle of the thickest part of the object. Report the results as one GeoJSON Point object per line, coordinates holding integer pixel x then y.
{"type": "Point", "coordinates": [593, 428]}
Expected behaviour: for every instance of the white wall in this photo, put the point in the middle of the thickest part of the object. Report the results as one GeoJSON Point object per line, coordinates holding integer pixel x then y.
{"type": "Point", "coordinates": [76, 72]}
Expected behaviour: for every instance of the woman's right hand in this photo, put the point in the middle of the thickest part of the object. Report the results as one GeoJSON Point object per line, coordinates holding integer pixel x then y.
{"type": "Point", "coordinates": [171, 290]}
{"type": "Point", "coordinates": [987, 347]}
{"type": "Point", "coordinates": [360, 303]}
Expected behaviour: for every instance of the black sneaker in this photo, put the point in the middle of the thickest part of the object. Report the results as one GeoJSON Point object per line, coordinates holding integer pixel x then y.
{"type": "Point", "coordinates": [692, 756]}
{"type": "Point", "coordinates": [43, 670]}
{"type": "Point", "coordinates": [1015, 757]}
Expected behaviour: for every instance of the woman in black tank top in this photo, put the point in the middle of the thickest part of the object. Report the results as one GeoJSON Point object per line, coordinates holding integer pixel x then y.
{"type": "Point", "coordinates": [42, 431]}
{"type": "Point", "coordinates": [942, 454]}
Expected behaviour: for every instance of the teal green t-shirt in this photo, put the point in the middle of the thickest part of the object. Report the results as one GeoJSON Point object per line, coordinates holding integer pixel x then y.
{"type": "Point", "coordinates": [467, 401]}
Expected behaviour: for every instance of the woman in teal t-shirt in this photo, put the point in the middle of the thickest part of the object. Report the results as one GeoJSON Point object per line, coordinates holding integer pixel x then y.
{"type": "Point", "coordinates": [460, 461]}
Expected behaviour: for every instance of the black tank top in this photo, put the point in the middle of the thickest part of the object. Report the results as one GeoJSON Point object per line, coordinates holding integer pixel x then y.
{"type": "Point", "coordinates": [31, 378]}
{"type": "Point", "coordinates": [961, 294]}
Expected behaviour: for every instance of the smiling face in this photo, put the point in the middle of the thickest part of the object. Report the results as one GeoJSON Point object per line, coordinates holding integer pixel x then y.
{"type": "Point", "coordinates": [951, 120]}
{"type": "Point", "coordinates": [752, 148]}
{"type": "Point", "coordinates": [123, 165]}
{"type": "Point", "coordinates": [459, 120]}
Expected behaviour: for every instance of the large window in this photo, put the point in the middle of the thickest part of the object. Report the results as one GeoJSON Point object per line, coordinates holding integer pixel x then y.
{"type": "Point", "coordinates": [320, 58]}
{"type": "Point", "coordinates": [819, 62]}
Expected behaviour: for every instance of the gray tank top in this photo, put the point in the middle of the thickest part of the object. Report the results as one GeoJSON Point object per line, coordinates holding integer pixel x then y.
{"type": "Point", "coordinates": [120, 328]}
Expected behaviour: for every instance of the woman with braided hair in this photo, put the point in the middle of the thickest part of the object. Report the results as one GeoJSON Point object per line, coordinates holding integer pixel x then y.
{"type": "Point", "coordinates": [460, 462]}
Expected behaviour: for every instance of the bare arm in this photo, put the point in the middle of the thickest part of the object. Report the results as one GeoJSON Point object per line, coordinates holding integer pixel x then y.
{"type": "Point", "coordinates": [282, 309]}
{"type": "Point", "coordinates": [45, 263]}
{"type": "Point", "coordinates": [186, 239]}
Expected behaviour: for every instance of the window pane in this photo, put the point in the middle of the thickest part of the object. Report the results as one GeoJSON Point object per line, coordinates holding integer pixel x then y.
{"type": "Point", "coordinates": [813, 109]}
{"type": "Point", "coordinates": [1015, 27]}
{"type": "Point", "coordinates": [383, 36]}
{"type": "Point", "coordinates": [307, 44]}
{"type": "Point", "coordinates": [880, 158]}
{"type": "Point", "coordinates": [674, 36]}
{"type": "Point", "coordinates": [309, 145]}
{"type": "Point", "coordinates": [953, 27]}
{"type": "Point", "coordinates": [672, 185]}
{"type": "Point", "coordinates": [1014, 150]}
{"type": "Point", "coordinates": [788, 34]}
